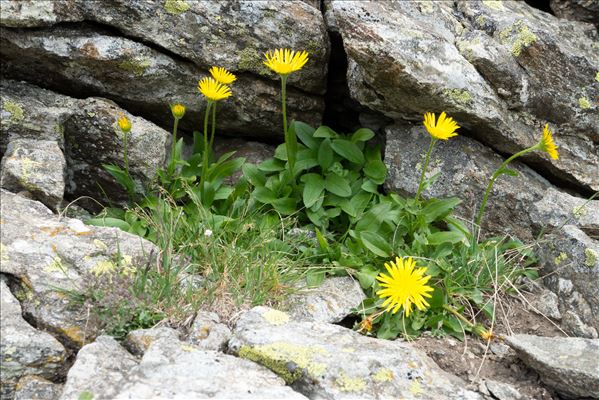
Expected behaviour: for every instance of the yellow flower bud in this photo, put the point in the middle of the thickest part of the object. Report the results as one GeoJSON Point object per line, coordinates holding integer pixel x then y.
{"type": "Point", "coordinates": [124, 124]}
{"type": "Point", "coordinates": [178, 110]}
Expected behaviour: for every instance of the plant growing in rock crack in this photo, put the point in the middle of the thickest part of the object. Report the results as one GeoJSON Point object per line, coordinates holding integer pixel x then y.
{"type": "Point", "coordinates": [122, 176]}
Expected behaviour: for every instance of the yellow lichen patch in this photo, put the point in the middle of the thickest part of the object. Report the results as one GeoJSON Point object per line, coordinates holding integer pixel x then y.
{"type": "Point", "coordinates": [103, 267]}
{"type": "Point", "coordinates": [579, 211]}
{"type": "Point", "coordinates": [597, 76]}
{"type": "Point", "coordinates": [518, 36]}
{"type": "Point", "coordinates": [560, 258]}
{"type": "Point", "coordinates": [3, 253]}
{"type": "Point", "coordinates": [137, 66]}
{"type": "Point", "coordinates": [348, 350]}
{"type": "Point", "coordinates": [458, 95]}
{"type": "Point", "coordinates": [494, 4]}
{"type": "Point", "coordinates": [383, 375]}
{"type": "Point", "coordinates": [276, 317]}
{"type": "Point", "coordinates": [52, 232]}
{"type": "Point", "coordinates": [74, 333]}
{"type": "Point", "coordinates": [56, 266]}
{"type": "Point", "coordinates": [100, 244]}
{"type": "Point", "coordinates": [176, 7]}
{"type": "Point", "coordinates": [347, 383]}
{"type": "Point", "coordinates": [416, 388]}
{"type": "Point", "coordinates": [251, 60]}
{"type": "Point", "coordinates": [278, 356]}
{"type": "Point", "coordinates": [584, 103]}
{"type": "Point", "coordinates": [590, 257]}
{"type": "Point", "coordinates": [15, 110]}
{"type": "Point", "coordinates": [188, 348]}
{"type": "Point", "coordinates": [28, 172]}
{"type": "Point", "coordinates": [146, 341]}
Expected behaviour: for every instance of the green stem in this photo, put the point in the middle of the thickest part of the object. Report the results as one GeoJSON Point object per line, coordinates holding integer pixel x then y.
{"type": "Point", "coordinates": [125, 154]}
{"type": "Point", "coordinates": [458, 315]}
{"type": "Point", "coordinates": [213, 127]}
{"type": "Point", "coordinates": [290, 140]}
{"type": "Point", "coordinates": [424, 167]}
{"type": "Point", "coordinates": [205, 155]}
{"type": "Point", "coordinates": [173, 163]}
{"type": "Point", "coordinates": [496, 175]}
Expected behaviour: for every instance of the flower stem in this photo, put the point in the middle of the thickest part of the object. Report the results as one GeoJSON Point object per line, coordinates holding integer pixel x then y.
{"type": "Point", "coordinates": [205, 152]}
{"type": "Point", "coordinates": [213, 127]}
{"type": "Point", "coordinates": [458, 315]}
{"type": "Point", "coordinates": [125, 153]}
{"type": "Point", "coordinates": [424, 167]}
{"type": "Point", "coordinates": [173, 163]}
{"type": "Point", "coordinates": [290, 139]}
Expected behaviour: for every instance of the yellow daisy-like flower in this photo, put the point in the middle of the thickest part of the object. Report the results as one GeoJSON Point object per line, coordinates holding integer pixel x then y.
{"type": "Point", "coordinates": [443, 129]}
{"type": "Point", "coordinates": [285, 61]}
{"type": "Point", "coordinates": [124, 124]}
{"type": "Point", "coordinates": [547, 144]}
{"type": "Point", "coordinates": [178, 110]}
{"type": "Point", "coordinates": [213, 90]}
{"type": "Point", "coordinates": [404, 286]}
{"type": "Point", "coordinates": [222, 75]}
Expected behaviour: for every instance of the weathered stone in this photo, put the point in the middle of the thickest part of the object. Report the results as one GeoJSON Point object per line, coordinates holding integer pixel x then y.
{"type": "Point", "coordinates": [557, 209]}
{"type": "Point", "coordinates": [187, 38]}
{"type": "Point", "coordinates": [100, 369]}
{"type": "Point", "coordinates": [330, 302]}
{"type": "Point", "coordinates": [178, 370]}
{"type": "Point", "coordinates": [572, 323]}
{"type": "Point", "coordinates": [503, 391]}
{"type": "Point", "coordinates": [37, 166]}
{"type": "Point", "coordinates": [33, 387]}
{"type": "Point", "coordinates": [568, 365]}
{"type": "Point", "coordinates": [49, 255]}
{"type": "Point", "coordinates": [546, 303]}
{"type": "Point", "coordinates": [576, 10]}
{"type": "Point", "coordinates": [326, 361]}
{"type": "Point", "coordinates": [502, 69]}
{"type": "Point", "coordinates": [208, 333]}
{"type": "Point", "coordinates": [138, 341]}
{"type": "Point", "coordinates": [570, 261]}
{"type": "Point", "coordinates": [24, 350]}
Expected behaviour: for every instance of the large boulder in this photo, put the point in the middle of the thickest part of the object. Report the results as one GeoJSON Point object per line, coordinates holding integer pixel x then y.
{"type": "Point", "coordinates": [502, 69]}
{"type": "Point", "coordinates": [168, 46]}
{"type": "Point", "coordinates": [577, 10]}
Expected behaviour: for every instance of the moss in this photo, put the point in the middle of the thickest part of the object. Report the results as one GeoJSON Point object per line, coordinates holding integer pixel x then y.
{"type": "Point", "coordinates": [279, 357]}
{"type": "Point", "coordinates": [518, 36]}
{"type": "Point", "coordinates": [251, 60]}
{"type": "Point", "coordinates": [313, 47]}
{"type": "Point", "coordinates": [275, 317]}
{"type": "Point", "coordinates": [584, 103]}
{"type": "Point", "coordinates": [590, 257]}
{"type": "Point", "coordinates": [176, 7]}
{"type": "Point", "coordinates": [458, 95]}
{"type": "Point", "coordinates": [560, 258]}
{"type": "Point", "coordinates": [136, 66]}
{"type": "Point", "coordinates": [86, 395]}
{"type": "Point", "coordinates": [346, 383]}
{"type": "Point", "coordinates": [494, 4]}
{"type": "Point", "coordinates": [383, 375]}
{"type": "Point", "coordinates": [74, 333]}
{"type": "Point", "coordinates": [270, 13]}
{"type": "Point", "coordinates": [15, 110]}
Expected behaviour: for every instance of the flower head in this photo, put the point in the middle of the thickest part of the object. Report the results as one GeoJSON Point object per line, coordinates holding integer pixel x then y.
{"type": "Point", "coordinates": [124, 124]}
{"type": "Point", "coordinates": [444, 128]}
{"type": "Point", "coordinates": [213, 90]}
{"type": "Point", "coordinates": [547, 144]}
{"type": "Point", "coordinates": [404, 286]}
{"type": "Point", "coordinates": [222, 75]}
{"type": "Point", "coordinates": [285, 61]}
{"type": "Point", "coordinates": [178, 110]}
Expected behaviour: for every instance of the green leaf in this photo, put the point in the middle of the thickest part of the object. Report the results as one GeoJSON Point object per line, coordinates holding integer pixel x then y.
{"type": "Point", "coordinates": [281, 152]}
{"type": "Point", "coordinates": [121, 177]}
{"type": "Point", "coordinates": [367, 276]}
{"type": "Point", "coordinates": [322, 241]}
{"type": "Point", "coordinates": [109, 222]}
{"type": "Point", "coordinates": [437, 238]}
{"type": "Point", "coordinates": [356, 205]}
{"type": "Point", "coordinates": [325, 132]}
{"type": "Point", "coordinates": [313, 188]}
{"type": "Point", "coordinates": [337, 185]}
{"type": "Point", "coordinates": [348, 150]}
{"type": "Point", "coordinates": [325, 154]}
{"type": "Point", "coordinates": [369, 186]}
{"type": "Point", "coordinates": [253, 175]}
{"type": "Point", "coordinates": [362, 135]}
{"type": "Point", "coordinates": [376, 170]}
{"type": "Point", "coordinates": [376, 243]}
{"type": "Point", "coordinates": [509, 171]}
{"type": "Point", "coordinates": [271, 165]}
{"type": "Point", "coordinates": [304, 132]}
{"type": "Point", "coordinates": [221, 170]}
{"type": "Point", "coordinates": [285, 205]}
{"type": "Point", "coordinates": [437, 209]}
{"type": "Point", "coordinates": [315, 278]}
{"type": "Point", "coordinates": [264, 195]}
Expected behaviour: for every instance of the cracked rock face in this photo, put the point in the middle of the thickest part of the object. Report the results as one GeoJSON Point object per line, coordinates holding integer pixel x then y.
{"type": "Point", "coordinates": [325, 361]}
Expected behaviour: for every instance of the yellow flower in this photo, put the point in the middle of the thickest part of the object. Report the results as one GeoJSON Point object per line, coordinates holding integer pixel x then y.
{"type": "Point", "coordinates": [213, 90]}
{"type": "Point", "coordinates": [178, 110]}
{"type": "Point", "coordinates": [124, 124]}
{"type": "Point", "coordinates": [404, 286]}
{"type": "Point", "coordinates": [222, 75]}
{"type": "Point", "coordinates": [285, 61]}
{"type": "Point", "coordinates": [547, 144]}
{"type": "Point", "coordinates": [444, 128]}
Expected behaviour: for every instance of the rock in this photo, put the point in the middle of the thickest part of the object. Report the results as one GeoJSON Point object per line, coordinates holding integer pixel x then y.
{"type": "Point", "coordinates": [207, 333]}
{"type": "Point", "coordinates": [138, 341]}
{"type": "Point", "coordinates": [177, 370]}
{"type": "Point", "coordinates": [33, 387]}
{"type": "Point", "coordinates": [503, 391]}
{"type": "Point", "coordinates": [49, 255]}
{"type": "Point", "coordinates": [568, 365]}
{"type": "Point", "coordinates": [557, 209]}
{"type": "Point", "coordinates": [546, 303]}
{"type": "Point", "coordinates": [330, 302]}
{"type": "Point", "coordinates": [175, 43]}
{"type": "Point", "coordinates": [253, 152]}
{"type": "Point", "coordinates": [37, 166]}
{"type": "Point", "coordinates": [328, 361]}
{"type": "Point", "coordinates": [464, 167]}
{"type": "Point", "coordinates": [570, 261]}
{"type": "Point", "coordinates": [24, 350]}
{"type": "Point", "coordinates": [572, 323]}
{"type": "Point", "coordinates": [502, 70]}
{"type": "Point", "coordinates": [576, 10]}
{"type": "Point", "coordinates": [100, 369]}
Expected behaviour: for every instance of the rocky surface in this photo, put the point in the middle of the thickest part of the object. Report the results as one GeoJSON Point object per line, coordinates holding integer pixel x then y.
{"type": "Point", "coordinates": [24, 350]}
{"type": "Point", "coordinates": [32, 387]}
{"type": "Point", "coordinates": [48, 256]}
{"type": "Point", "coordinates": [139, 340]}
{"type": "Point", "coordinates": [569, 365]}
{"type": "Point", "coordinates": [208, 333]}
{"type": "Point", "coordinates": [577, 10]}
{"type": "Point", "coordinates": [325, 361]}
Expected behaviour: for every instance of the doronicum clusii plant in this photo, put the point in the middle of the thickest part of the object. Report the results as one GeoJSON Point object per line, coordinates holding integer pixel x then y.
{"type": "Point", "coordinates": [122, 175]}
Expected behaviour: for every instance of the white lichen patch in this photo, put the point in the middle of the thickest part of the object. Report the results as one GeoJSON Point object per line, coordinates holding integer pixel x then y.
{"type": "Point", "coordinates": [276, 317]}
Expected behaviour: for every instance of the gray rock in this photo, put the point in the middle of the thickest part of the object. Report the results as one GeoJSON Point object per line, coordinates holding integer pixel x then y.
{"type": "Point", "coordinates": [330, 302]}
{"type": "Point", "coordinates": [568, 365]}
{"type": "Point", "coordinates": [138, 341]}
{"type": "Point", "coordinates": [24, 350]}
{"type": "Point", "coordinates": [503, 391]}
{"type": "Point", "coordinates": [33, 387]}
{"type": "Point", "coordinates": [325, 361]}
{"type": "Point", "coordinates": [208, 333]}
{"type": "Point", "coordinates": [546, 303]}
{"type": "Point", "coordinates": [557, 209]}
{"type": "Point", "coordinates": [177, 370]}
{"type": "Point", "coordinates": [570, 261]}
{"type": "Point", "coordinates": [572, 323]}
{"type": "Point", "coordinates": [485, 63]}
{"type": "Point", "coordinates": [253, 152]}
{"type": "Point", "coordinates": [37, 166]}
{"type": "Point", "coordinates": [100, 368]}
{"type": "Point", "coordinates": [49, 255]}
{"type": "Point", "coordinates": [576, 10]}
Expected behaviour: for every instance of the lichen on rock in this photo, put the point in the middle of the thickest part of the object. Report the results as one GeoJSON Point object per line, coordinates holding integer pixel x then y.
{"type": "Point", "coordinates": [176, 7]}
{"type": "Point", "coordinates": [518, 36]}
